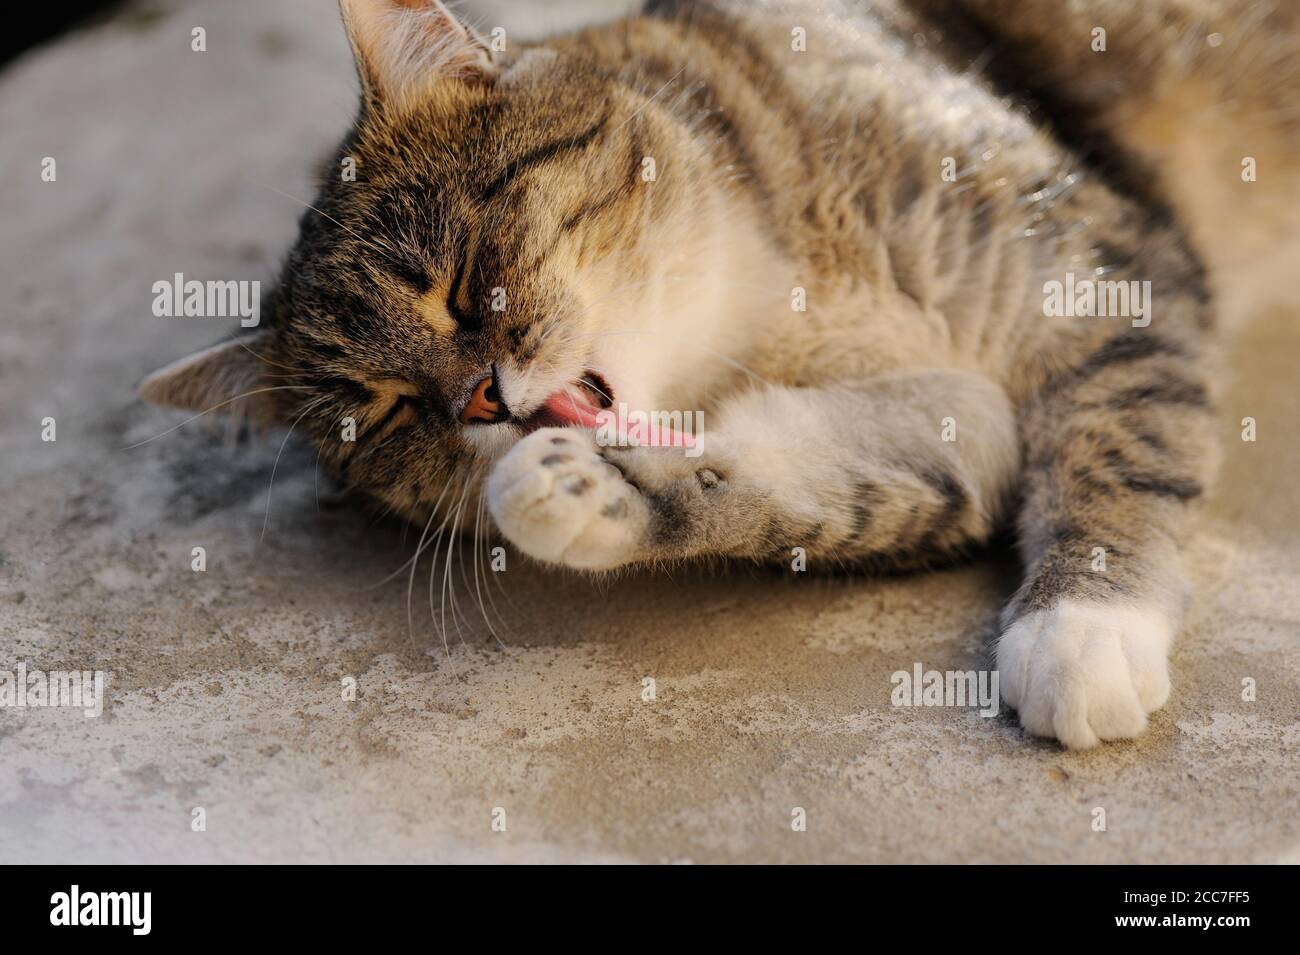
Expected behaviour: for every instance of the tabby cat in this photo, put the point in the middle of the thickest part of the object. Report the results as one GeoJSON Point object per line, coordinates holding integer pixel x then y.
{"type": "Point", "coordinates": [836, 231]}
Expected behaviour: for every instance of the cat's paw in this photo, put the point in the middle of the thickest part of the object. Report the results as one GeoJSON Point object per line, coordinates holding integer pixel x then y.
{"type": "Point", "coordinates": [1083, 673]}
{"type": "Point", "coordinates": [557, 499]}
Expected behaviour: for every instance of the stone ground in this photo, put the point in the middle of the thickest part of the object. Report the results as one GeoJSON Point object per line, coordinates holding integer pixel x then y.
{"type": "Point", "coordinates": [772, 692]}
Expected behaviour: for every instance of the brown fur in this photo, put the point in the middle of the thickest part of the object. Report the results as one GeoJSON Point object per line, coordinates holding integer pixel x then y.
{"type": "Point", "coordinates": [518, 177]}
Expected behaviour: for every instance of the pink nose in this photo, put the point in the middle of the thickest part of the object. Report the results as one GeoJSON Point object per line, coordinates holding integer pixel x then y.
{"type": "Point", "coordinates": [485, 404]}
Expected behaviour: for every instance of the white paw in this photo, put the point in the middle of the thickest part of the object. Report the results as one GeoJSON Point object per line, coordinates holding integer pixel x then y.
{"type": "Point", "coordinates": [1084, 672]}
{"type": "Point", "coordinates": [556, 499]}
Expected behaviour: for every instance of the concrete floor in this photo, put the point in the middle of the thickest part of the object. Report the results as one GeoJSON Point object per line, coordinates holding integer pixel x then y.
{"type": "Point", "coordinates": [772, 693]}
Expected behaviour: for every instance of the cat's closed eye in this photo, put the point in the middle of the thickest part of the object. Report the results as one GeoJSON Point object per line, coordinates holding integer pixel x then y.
{"type": "Point", "coordinates": [465, 317]}
{"type": "Point", "coordinates": [402, 410]}
{"type": "Point", "coordinates": [411, 273]}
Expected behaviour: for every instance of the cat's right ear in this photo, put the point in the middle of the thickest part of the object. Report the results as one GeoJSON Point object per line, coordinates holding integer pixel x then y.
{"type": "Point", "coordinates": [402, 45]}
{"type": "Point", "coordinates": [229, 378]}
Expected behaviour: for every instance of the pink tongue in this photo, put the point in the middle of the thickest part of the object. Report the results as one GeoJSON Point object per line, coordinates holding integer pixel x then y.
{"type": "Point", "coordinates": [569, 409]}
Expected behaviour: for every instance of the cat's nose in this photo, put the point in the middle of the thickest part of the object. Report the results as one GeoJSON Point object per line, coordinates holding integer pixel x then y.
{"type": "Point", "coordinates": [485, 405]}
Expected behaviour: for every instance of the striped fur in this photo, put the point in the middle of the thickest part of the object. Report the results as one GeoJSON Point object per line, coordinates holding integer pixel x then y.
{"type": "Point", "coordinates": [502, 222]}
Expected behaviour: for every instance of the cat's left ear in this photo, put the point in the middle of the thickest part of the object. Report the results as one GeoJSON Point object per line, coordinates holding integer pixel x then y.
{"type": "Point", "coordinates": [230, 378]}
{"type": "Point", "coordinates": [401, 45]}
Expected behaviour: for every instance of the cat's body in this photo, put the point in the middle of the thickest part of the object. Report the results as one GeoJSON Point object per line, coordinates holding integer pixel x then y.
{"type": "Point", "coordinates": [817, 228]}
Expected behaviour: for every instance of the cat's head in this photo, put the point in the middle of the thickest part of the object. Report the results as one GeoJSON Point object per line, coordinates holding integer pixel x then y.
{"type": "Point", "coordinates": [469, 267]}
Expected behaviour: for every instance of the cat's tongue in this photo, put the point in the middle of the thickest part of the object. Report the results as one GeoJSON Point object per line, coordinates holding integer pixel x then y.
{"type": "Point", "coordinates": [570, 409]}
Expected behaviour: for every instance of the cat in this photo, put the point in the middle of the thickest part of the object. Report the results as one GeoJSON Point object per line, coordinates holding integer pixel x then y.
{"type": "Point", "coordinates": [830, 230]}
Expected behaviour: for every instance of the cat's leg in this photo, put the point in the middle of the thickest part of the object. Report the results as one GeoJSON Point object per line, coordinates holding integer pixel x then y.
{"type": "Point", "coordinates": [902, 470]}
{"type": "Point", "coordinates": [1116, 449]}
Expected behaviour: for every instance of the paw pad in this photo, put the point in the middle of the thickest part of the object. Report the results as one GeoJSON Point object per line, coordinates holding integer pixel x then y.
{"type": "Point", "coordinates": [570, 507]}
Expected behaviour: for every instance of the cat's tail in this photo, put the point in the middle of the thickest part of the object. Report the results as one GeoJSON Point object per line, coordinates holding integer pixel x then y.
{"type": "Point", "coordinates": [1195, 102]}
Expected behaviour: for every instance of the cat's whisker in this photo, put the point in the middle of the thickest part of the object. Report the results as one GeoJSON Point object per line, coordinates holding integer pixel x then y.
{"type": "Point", "coordinates": [320, 448]}
{"type": "Point", "coordinates": [434, 546]}
{"type": "Point", "coordinates": [458, 540]}
{"type": "Point", "coordinates": [415, 563]}
{"type": "Point", "coordinates": [410, 584]}
{"type": "Point", "coordinates": [433, 568]}
{"type": "Point", "coordinates": [266, 516]}
{"type": "Point", "coordinates": [217, 406]}
{"type": "Point", "coordinates": [478, 521]}
{"type": "Point", "coordinates": [464, 579]}
{"type": "Point", "coordinates": [454, 514]}
{"type": "Point", "coordinates": [420, 547]}
{"type": "Point", "coordinates": [293, 372]}
{"type": "Point", "coordinates": [651, 99]}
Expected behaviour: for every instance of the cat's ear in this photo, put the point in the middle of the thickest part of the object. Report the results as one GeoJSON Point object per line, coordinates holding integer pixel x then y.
{"type": "Point", "coordinates": [227, 378]}
{"type": "Point", "coordinates": [401, 45]}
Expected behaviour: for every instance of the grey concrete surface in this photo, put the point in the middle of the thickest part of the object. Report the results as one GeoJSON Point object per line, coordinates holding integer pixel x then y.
{"type": "Point", "coordinates": [225, 687]}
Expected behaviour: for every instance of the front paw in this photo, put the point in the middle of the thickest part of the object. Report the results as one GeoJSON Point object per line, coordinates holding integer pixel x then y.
{"type": "Point", "coordinates": [1084, 673]}
{"type": "Point", "coordinates": [557, 499]}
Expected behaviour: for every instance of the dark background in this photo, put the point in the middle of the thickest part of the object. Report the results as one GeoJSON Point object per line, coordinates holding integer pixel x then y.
{"type": "Point", "coordinates": [41, 22]}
